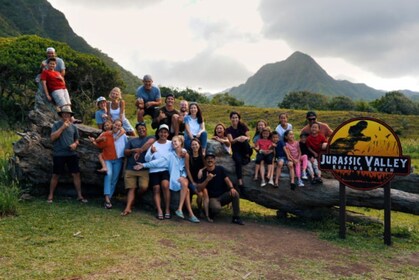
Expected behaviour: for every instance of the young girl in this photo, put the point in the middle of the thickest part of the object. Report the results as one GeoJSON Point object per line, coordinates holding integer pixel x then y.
{"type": "Point", "coordinates": [105, 142]}
{"type": "Point", "coordinates": [292, 149]}
{"type": "Point", "coordinates": [283, 125]}
{"type": "Point", "coordinates": [116, 110]}
{"type": "Point", "coordinates": [265, 154]}
{"type": "Point", "coordinates": [312, 166]}
{"type": "Point", "coordinates": [195, 127]}
{"type": "Point", "coordinates": [175, 162]}
{"type": "Point", "coordinates": [220, 136]}
{"type": "Point", "coordinates": [194, 168]}
{"type": "Point", "coordinates": [261, 124]}
{"type": "Point", "coordinates": [316, 142]}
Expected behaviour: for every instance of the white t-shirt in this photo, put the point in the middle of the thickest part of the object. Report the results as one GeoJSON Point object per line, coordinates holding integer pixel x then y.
{"type": "Point", "coordinates": [194, 126]}
{"type": "Point", "coordinates": [161, 151]}
{"type": "Point", "coordinates": [281, 130]}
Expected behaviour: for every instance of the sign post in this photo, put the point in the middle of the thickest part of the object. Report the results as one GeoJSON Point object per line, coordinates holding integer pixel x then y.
{"type": "Point", "coordinates": [364, 154]}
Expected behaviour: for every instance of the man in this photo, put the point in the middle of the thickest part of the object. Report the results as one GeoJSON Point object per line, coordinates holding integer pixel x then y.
{"type": "Point", "coordinates": [324, 127]}
{"type": "Point", "coordinates": [220, 188]}
{"type": "Point", "coordinates": [179, 126]}
{"type": "Point", "coordinates": [167, 115]}
{"type": "Point", "coordinates": [60, 66]}
{"type": "Point", "coordinates": [135, 151]}
{"type": "Point", "coordinates": [65, 138]}
{"type": "Point", "coordinates": [148, 99]}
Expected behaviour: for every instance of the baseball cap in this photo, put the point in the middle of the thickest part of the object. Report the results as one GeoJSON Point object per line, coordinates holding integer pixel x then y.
{"type": "Point", "coordinates": [163, 126]}
{"type": "Point", "coordinates": [210, 154]}
{"type": "Point", "coordinates": [311, 114]}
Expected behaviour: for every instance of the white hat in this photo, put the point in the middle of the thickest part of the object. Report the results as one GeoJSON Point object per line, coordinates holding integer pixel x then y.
{"type": "Point", "coordinates": [100, 98]}
{"type": "Point", "coordinates": [163, 126]}
{"type": "Point", "coordinates": [50, 49]}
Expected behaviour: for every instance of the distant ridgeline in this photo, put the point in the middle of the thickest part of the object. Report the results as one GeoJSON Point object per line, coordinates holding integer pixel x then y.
{"type": "Point", "coordinates": [38, 17]}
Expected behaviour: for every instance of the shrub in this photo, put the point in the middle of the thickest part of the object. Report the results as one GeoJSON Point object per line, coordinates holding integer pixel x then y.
{"type": "Point", "coordinates": [9, 191]}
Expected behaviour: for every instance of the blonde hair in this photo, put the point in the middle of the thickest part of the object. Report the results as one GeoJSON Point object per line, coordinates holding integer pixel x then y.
{"type": "Point", "coordinates": [118, 90]}
{"type": "Point", "coordinates": [180, 138]}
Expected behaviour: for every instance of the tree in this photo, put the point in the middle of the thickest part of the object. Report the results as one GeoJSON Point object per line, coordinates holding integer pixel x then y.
{"type": "Point", "coordinates": [304, 100]}
{"type": "Point", "coordinates": [395, 102]}
{"type": "Point", "coordinates": [341, 103]}
{"type": "Point", "coordinates": [186, 94]}
{"type": "Point", "coordinates": [226, 99]}
{"type": "Point", "coordinates": [87, 76]}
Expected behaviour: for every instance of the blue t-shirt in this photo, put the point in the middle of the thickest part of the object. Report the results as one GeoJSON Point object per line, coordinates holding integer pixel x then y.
{"type": "Point", "coordinates": [133, 144]}
{"type": "Point", "coordinates": [60, 65]}
{"type": "Point", "coordinates": [148, 95]}
{"type": "Point", "coordinates": [98, 116]}
{"type": "Point", "coordinates": [279, 149]}
{"type": "Point", "coordinates": [61, 146]}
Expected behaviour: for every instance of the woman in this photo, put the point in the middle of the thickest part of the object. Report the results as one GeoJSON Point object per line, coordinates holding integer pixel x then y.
{"type": "Point", "coordinates": [261, 124]}
{"type": "Point", "coordinates": [159, 176]}
{"type": "Point", "coordinates": [221, 136]}
{"type": "Point", "coordinates": [195, 127]}
{"type": "Point", "coordinates": [283, 125]}
{"type": "Point", "coordinates": [193, 168]}
{"type": "Point", "coordinates": [238, 134]}
{"type": "Point", "coordinates": [116, 110]}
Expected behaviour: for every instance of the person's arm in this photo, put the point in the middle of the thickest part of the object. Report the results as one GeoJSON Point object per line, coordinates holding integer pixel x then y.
{"type": "Point", "coordinates": [233, 191]}
{"type": "Point", "coordinates": [202, 129]}
{"type": "Point", "coordinates": [121, 110]}
{"type": "Point", "coordinates": [44, 86]}
{"type": "Point", "coordinates": [188, 129]}
{"type": "Point", "coordinates": [155, 103]}
{"type": "Point", "coordinates": [108, 110]}
{"type": "Point", "coordinates": [56, 134]}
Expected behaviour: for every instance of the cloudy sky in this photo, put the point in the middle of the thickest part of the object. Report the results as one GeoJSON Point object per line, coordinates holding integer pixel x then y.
{"type": "Point", "coordinates": [211, 45]}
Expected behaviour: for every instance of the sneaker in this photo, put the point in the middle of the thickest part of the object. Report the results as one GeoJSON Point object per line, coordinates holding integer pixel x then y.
{"type": "Point", "coordinates": [300, 183]}
{"type": "Point", "coordinates": [304, 177]}
{"type": "Point", "coordinates": [271, 182]}
{"type": "Point", "coordinates": [263, 183]}
{"type": "Point", "coordinates": [313, 181]}
{"type": "Point", "coordinates": [238, 221]}
{"type": "Point", "coordinates": [179, 213]}
{"type": "Point", "coordinates": [193, 219]}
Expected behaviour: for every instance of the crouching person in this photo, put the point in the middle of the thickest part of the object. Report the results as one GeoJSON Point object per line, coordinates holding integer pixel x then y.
{"type": "Point", "coordinates": [220, 188]}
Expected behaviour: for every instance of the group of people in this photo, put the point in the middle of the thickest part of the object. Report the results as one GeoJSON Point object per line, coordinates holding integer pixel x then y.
{"type": "Point", "coordinates": [175, 158]}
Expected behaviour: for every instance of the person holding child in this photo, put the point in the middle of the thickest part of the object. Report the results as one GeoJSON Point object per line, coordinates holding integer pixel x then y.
{"type": "Point", "coordinates": [260, 125]}
{"type": "Point", "coordinates": [116, 110]}
{"type": "Point", "coordinates": [195, 127]}
{"type": "Point", "coordinates": [292, 149]}
{"type": "Point", "coordinates": [264, 155]}
{"type": "Point", "coordinates": [175, 162]}
{"type": "Point", "coordinates": [312, 164]}
{"type": "Point", "coordinates": [281, 159]}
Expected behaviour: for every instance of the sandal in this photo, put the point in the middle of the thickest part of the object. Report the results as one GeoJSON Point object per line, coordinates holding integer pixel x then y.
{"type": "Point", "coordinates": [82, 200]}
{"type": "Point", "coordinates": [50, 201]}
{"type": "Point", "coordinates": [159, 217]}
{"type": "Point", "coordinates": [108, 205]}
{"type": "Point", "coordinates": [125, 212]}
{"type": "Point", "coordinates": [167, 216]}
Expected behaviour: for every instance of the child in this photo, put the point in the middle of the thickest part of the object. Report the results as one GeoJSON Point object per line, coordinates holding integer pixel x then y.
{"type": "Point", "coordinates": [175, 161]}
{"type": "Point", "coordinates": [101, 115]}
{"type": "Point", "coordinates": [116, 110]}
{"type": "Point", "coordinates": [281, 159]}
{"type": "Point", "coordinates": [292, 148]}
{"type": "Point", "coordinates": [260, 125]}
{"type": "Point", "coordinates": [106, 142]}
{"type": "Point", "coordinates": [316, 142]}
{"type": "Point", "coordinates": [265, 154]}
{"type": "Point", "coordinates": [312, 164]}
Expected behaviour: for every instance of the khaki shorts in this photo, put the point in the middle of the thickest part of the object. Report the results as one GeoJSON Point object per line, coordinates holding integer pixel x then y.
{"type": "Point", "coordinates": [136, 179]}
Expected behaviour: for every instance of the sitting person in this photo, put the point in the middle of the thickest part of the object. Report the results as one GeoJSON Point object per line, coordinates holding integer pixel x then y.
{"type": "Point", "coordinates": [220, 188]}
{"type": "Point", "coordinates": [101, 115]}
{"type": "Point", "coordinates": [292, 149]}
{"type": "Point", "coordinates": [316, 142]}
{"type": "Point", "coordinates": [195, 127]}
{"type": "Point", "coordinates": [167, 115]}
{"type": "Point", "coordinates": [221, 137]}
{"type": "Point", "coordinates": [116, 110]}
{"type": "Point", "coordinates": [281, 159]}
{"type": "Point", "coordinates": [148, 99]}
{"type": "Point", "coordinates": [175, 162]}
{"type": "Point", "coordinates": [261, 124]}
{"type": "Point", "coordinates": [312, 164]}
{"type": "Point", "coordinates": [264, 155]}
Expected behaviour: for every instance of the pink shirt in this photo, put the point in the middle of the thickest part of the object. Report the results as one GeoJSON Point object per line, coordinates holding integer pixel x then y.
{"type": "Point", "coordinates": [294, 149]}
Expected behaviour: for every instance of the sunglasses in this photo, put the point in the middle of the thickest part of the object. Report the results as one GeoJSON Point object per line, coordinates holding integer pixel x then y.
{"type": "Point", "coordinates": [311, 119]}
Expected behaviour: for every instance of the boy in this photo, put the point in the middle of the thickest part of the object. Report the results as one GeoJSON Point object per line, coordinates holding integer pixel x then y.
{"type": "Point", "coordinates": [281, 159]}
{"type": "Point", "coordinates": [316, 142]}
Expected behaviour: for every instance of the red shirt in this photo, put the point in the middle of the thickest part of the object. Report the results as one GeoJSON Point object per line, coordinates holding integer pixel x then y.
{"type": "Point", "coordinates": [107, 146]}
{"type": "Point", "coordinates": [315, 142]}
{"type": "Point", "coordinates": [54, 80]}
{"type": "Point", "coordinates": [264, 144]}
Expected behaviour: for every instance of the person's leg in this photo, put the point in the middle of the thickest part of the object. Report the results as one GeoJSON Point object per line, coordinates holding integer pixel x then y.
{"type": "Point", "coordinates": [310, 169]}
{"type": "Point", "coordinates": [292, 174]}
{"type": "Point", "coordinates": [102, 163]}
{"type": "Point", "coordinates": [140, 115]}
{"type": "Point", "coordinates": [297, 167]}
{"type": "Point", "coordinates": [108, 180]}
{"type": "Point", "coordinates": [262, 173]}
{"type": "Point", "coordinates": [214, 206]}
{"type": "Point", "coordinates": [166, 195]}
{"type": "Point", "coordinates": [157, 201]}
{"type": "Point", "coordinates": [184, 193]}
{"type": "Point", "coordinates": [206, 200]}
{"type": "Point", "coordinates": [304, 166]}
{"type": "Point", "coordinates": [257, 168]}
{"type": "Point", "coordinates": [203, 138]}
{"type": "Point", "coordinates": [52, 186]}
{"type": "Point", "coordinates": [278, 171]}
{"type": "Point", "coordinates": [238, 166]}
{"type": "Point", "coordinates": [226, 198]}
{"type": "Point", "coordinates": [77, 185]}
{"type": "Point", "coordinates": [116, 166]}
{"type": "Point", "coordinates": [175, 124]}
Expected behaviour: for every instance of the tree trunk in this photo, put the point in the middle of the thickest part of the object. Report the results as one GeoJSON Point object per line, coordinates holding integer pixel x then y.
{"type": "Point", "coordinates": [32, 164]}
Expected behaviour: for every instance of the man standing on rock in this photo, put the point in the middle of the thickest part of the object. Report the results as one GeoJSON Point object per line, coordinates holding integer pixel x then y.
{"type": "Point", "coordinates": [65, 139]}
{"type": "Point", "coordinates": [135, 151]}
{"type": "Point", "coordinates": [220, 188]}
{"type": "Point", "coordinates": [148, 99]}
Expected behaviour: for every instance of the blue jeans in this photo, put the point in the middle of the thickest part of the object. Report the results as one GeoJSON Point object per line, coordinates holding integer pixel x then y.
{"type": "Point", "coordinates": [112, 176]}
{"type": "Point", "coordinates": [203, 139]}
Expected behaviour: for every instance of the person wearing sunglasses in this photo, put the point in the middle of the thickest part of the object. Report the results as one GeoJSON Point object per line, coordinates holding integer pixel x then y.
{"type": "Point", "coordinates": [311, 117]}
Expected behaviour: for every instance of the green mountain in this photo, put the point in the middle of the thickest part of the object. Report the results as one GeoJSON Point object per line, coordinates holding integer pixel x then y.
{"type": "Point", "coordinates": [299, 72]}
{"type": "Point", "coordinates": [38, 17]}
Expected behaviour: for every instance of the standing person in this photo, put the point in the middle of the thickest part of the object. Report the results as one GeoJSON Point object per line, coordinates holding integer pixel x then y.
{"type": "Point", "coordinates": [264, 148]}
{"type": "Point", "coordinates": [292, 149]}
{"type": "Point", "coordinates": [159, 176]}
{"type": "Point", "coordinates": [221, 136]}
{"type": "Point", "coordinates": [220, 188]}
{"type": "Point", "coordinates": [60, 65]}
{"type": "Point", "coordinates": [175, 162]}
{"type": "Point", "coordinates": [65, 139]}
{"type": "Point", "coordinates": [135, 151]}
{"type": "Point", "coordinates": [195, 127]}
{"type": "Point", "coordinates": [238, 135]}
{"type": "Point", "coordinates": [116, 110]}
{"type": "Point", "coordinates": [316, 142]}
{"type": "Point", "coordinates": [311, 117]}
{"type": "Point", "coordinates": [281, 159]}
{"type": "Point", "coordinates": [261, 124]}
{"type": "Point", "coordinates": [101, 115]}
{"type": "Point", "coordinates": [167, 115]}
{"type": "Point", "coordinates": [148, 99]}
{"type": "Point", "coordinates": [283, 125]}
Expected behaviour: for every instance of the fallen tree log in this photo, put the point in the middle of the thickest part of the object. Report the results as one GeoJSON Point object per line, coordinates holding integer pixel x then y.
{"type": "Point", "coordinates": [32, 165]}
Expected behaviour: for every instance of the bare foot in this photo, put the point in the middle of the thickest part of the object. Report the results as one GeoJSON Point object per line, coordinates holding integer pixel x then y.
{"type": "Point", "coordinates": [126, 212]}
{"type": "Point", "coordinates": [102, 170]}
